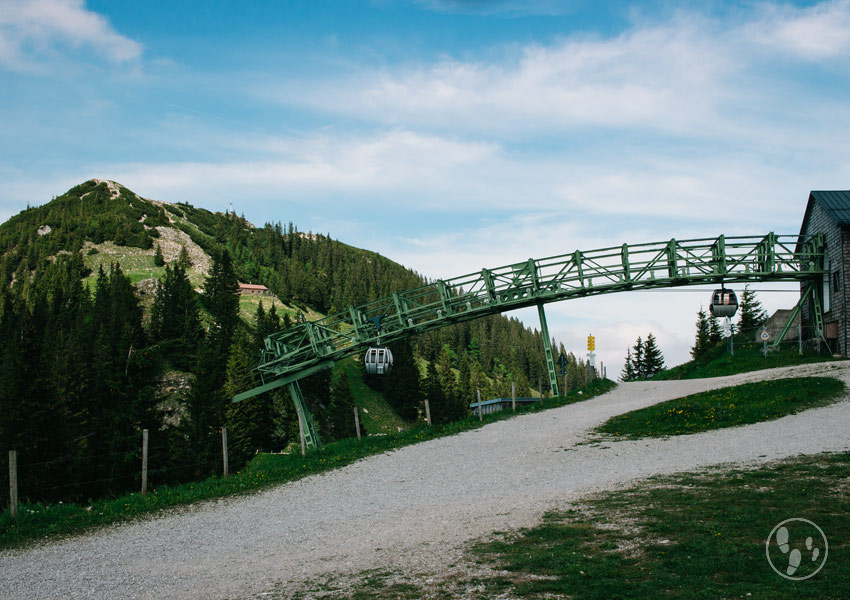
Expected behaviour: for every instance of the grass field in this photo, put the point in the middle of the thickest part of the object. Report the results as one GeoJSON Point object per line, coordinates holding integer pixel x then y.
{"type": "Point", "coordinates": [746, 358]}
{"type": "Point", "coordinates": [726, 407]}
{"type": "Point", "coordinates": [700, 535]}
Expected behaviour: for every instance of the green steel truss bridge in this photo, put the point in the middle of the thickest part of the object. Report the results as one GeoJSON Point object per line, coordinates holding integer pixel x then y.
{"type": "Point", "coordinates": [304, 349]}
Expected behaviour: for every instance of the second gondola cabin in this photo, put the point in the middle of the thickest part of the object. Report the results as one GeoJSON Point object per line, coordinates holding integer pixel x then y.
{"type": "Point", "coordinates": [724, 303]}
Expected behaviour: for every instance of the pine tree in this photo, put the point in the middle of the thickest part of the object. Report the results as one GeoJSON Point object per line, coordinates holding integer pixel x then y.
{"type": "Point", "coordinates": [751, 315]}
{"type": "Point", "coordinates": [628, 373]}
{"type": "Point", "coordinates": [454, 407]}
{"type": "Point", "coordinates": [221, 298]}
{"type": "Point", "coordinates": [208, 401]}
{"type": "Point", "coordinates": [638, 364]}
{"type": "Point", "coordinates": [479, 382]}
{"type": "Point", "coordinates": [646, 361]}
{"type": "Point", "coordinates": [653, 360]}
{"type": "Point", "coordinates": [183, 259]}
{"type": "Point", "coordinates": [260, 325]}
{"type": "Point", "coordinates": [440, 413]}
{"type": "Point", "coordinates": [249, 422]}
{"type": "Point", "coordinates": [464, 384]}
{"type": "Point", "coordinates": [175, 318]}
{"type": "Point", "coordinates": [158, 259]}
{"type": "Point", "coordinates": [341, 411]}
{"type": "Point", "coordinates": [715, 331]}
{"type": "Point", "coordinates": [702, 340]}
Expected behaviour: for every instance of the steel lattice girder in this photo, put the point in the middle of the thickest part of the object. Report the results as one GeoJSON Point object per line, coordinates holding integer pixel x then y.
{"type": "Point", "coordinates": [302, 348]}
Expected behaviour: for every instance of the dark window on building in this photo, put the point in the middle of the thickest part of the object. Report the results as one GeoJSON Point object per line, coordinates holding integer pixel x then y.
{"type": "Point", "coordinates": [836, 285]}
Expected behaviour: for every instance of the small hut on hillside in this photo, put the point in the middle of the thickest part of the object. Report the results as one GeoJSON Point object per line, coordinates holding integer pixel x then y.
{"type": "Point", "coordinates": [251, 289]}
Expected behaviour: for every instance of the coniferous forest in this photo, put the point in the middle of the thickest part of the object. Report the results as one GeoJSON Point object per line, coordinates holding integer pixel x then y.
{"type": "Point", "coordinates": [85, 359]}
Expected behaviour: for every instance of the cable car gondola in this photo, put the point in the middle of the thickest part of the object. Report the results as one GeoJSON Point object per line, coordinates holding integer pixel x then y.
{"type": "Point", "coordinates": [724, 303]}
{"type": "Point", "coordinates": [378, 360]}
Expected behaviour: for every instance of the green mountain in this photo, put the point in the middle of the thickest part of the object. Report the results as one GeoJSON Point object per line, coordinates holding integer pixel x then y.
{"type": "Point", "coordinates": [120, 313]}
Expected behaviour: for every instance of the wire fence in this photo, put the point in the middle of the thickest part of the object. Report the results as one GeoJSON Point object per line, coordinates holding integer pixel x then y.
{"type": "Point", "coordinates": [111, 474]}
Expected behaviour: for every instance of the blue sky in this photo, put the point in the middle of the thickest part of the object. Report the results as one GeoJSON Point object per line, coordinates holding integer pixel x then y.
{"type": "Point", "coordinates": [447, 135]}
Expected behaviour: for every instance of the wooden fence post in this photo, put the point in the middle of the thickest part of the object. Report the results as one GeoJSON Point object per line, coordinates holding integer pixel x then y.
{"type": "Point", "coordinates": [357, 423]}
{"type": "Point", "coordinates": [480, 408]}
{"type": "Point", "coordinates": [144, 462]}
{"type": "Point", "coordinates": [427, 412]}
{"type": "Point", "coordinates": [13, 483]}
{"type": "Point", "coordinates": [513, 396]}
{"type": "Point", "coordinates": [224, 451]}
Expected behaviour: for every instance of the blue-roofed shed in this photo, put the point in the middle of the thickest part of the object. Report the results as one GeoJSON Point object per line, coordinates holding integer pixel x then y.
{"type": "Point", "coordinates": [828, 212]}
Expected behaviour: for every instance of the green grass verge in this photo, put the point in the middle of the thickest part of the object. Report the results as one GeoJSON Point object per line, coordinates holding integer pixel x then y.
{"type": "Point", "coordinates": [39, 521]}
{"type": "Point", "coordinates": [747, 357]}
{"type": "Point", "coordinates": [693, 536]}
{"type": "Point", "coordinates": [726, 407]}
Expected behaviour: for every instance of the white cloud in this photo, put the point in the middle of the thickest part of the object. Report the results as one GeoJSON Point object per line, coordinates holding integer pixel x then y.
{"type": "Point", "coordinates": [686, 76]}
{"type": "Point", "coordinates": [646, 78]}
{"type": "Point", "coordinates": [319, 167]}
{"type": "Point", "coordinates": [814, 32]}
{"type": "Point", "coordinates": [32, 29]}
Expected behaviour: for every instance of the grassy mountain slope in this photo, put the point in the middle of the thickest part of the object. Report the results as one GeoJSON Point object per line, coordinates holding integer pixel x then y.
{"type": "Point", "coordinates": [109, 224]}
{"type": "Point", "coordinates": [306, 273]}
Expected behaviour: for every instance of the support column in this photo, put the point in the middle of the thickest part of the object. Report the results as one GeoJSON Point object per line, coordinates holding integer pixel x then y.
{"type": "Point", "coordinates": [309, 436]}
{"type": "Point", "coordinates": [547, 347]}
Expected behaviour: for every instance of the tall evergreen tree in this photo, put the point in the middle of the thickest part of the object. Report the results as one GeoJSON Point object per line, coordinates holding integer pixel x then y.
{"type": "Point", "coordinates": [751, 314]}
{"type": "Point", "coordinates": [183, 260]}
{"type": "Point", "coordinates": [653, 360]}
{"type": "Point", "coordinates": [175, 318]}
{"type": "Point", "coordinates": [158, 258]}
{"type": "Point", "coordinates": [440, 413]}
{"type": "Point", "coordinates": [454, 407]}
{"type": "Point", "coordinates": [702, 341]}
{"type": "Point", "coordinates": [208, 401]}
{"type": "Point", "coordinates": [479, 382]}
{"type": "Point", "coordinates": [465, 390]}
{"type": "Point", "coordinates": [340, 421]}
{"type": "Point", "coordinates": [638, 364]}
{"type": "Point", "coordinates": [715, 331]}
{"type": "Point", "coordinates": [646, 361]}
{"type": "Point", "coordinates": [249, 422]}
{"type": "Point", "coordinates": [628, 373]}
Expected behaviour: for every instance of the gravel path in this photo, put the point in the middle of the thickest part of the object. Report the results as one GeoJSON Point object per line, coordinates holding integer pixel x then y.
{"type": "Point", "coordinates": [411, 508]}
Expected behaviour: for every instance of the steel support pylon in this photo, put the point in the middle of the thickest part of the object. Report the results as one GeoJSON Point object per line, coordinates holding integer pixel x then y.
{"type": "Point", "coordinates": [796, 310]}
{"type": "Point", "coordinates": [305, 421]}
{"type": "Point", "coordinates": [547, 347]}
